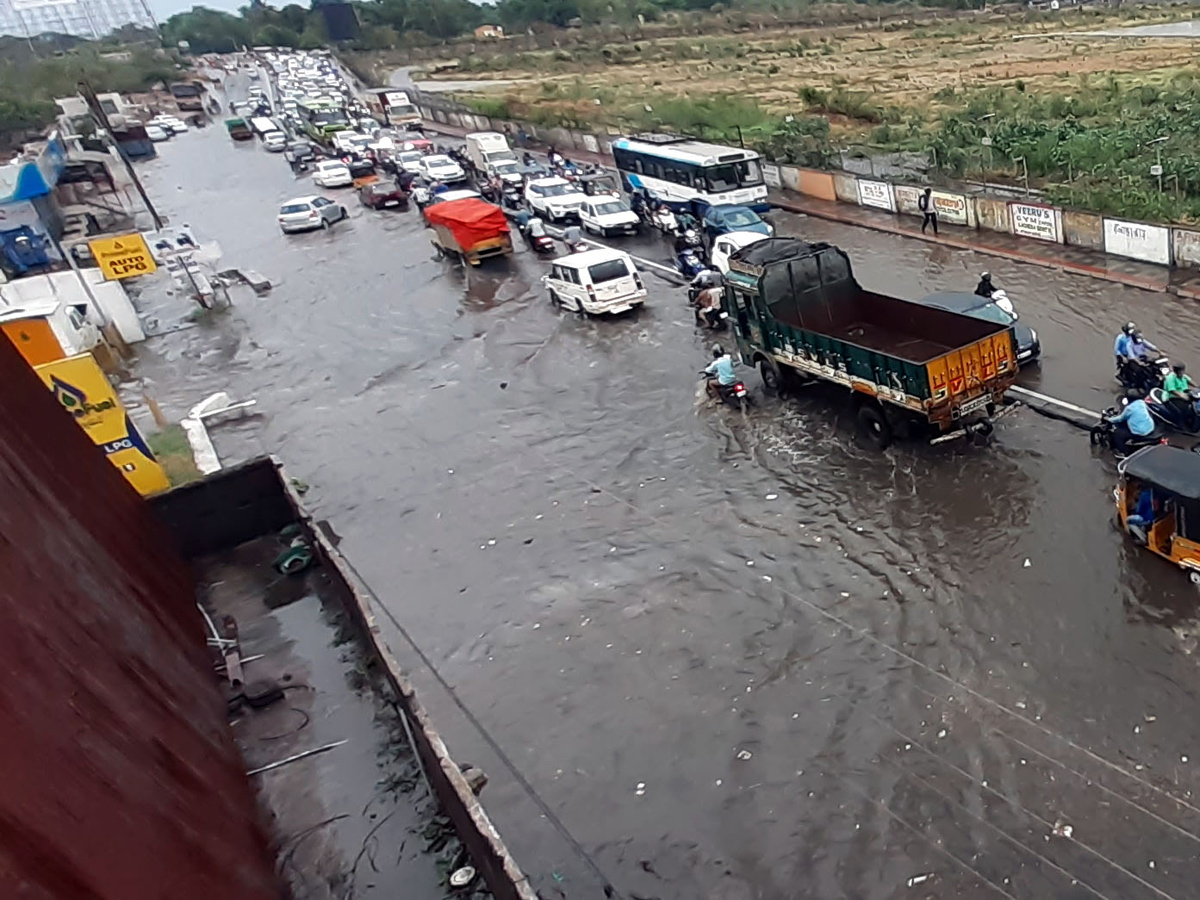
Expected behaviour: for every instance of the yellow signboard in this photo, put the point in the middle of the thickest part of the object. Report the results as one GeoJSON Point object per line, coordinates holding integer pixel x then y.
{"type": "Point", "coordinates": [123, 256]}
{"type": "Point", "coordinates": [85, 393]}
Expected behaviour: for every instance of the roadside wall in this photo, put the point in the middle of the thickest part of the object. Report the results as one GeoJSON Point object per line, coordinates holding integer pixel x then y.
{"type": "Point", "coordinates": [1027, 218]}
{"type": "Point", "coordinates": [121, 778]}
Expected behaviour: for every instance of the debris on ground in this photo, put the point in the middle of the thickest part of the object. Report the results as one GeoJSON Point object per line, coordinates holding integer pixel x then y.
{"type": "Point", "coordinates": [1062, 829]}
{"type": "Point", "coordinates": [918, 879]}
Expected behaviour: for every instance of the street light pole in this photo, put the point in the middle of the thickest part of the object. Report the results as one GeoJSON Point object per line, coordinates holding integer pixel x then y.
{"type": "Point", "coordinates": [93, 103]}
{"type": "Point", "coordinates": [1158, 169]}
{"type": "Point", "coordinates": [987, 140]}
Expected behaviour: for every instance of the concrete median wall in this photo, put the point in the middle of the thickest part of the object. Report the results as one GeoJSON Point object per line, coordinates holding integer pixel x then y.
{"type": "Point", "coordinates": [992, 213]}
{"type": "Point", "coordinates": [845, 187]}
{"type": "Point", "coordinates": [1028, 219]}
{"type": "Point", "coordinates": [1081, 229]}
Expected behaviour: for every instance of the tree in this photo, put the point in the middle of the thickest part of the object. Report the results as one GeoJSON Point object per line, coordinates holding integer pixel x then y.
{"type": "Point", "coordinates": [208, 30]}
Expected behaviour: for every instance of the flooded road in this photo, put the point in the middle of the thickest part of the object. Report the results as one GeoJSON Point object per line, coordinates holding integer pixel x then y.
{"type": "Point", "coordinates": [737, 657]}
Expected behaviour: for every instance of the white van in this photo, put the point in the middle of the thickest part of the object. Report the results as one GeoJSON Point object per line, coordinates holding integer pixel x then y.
{"type": "Point", "coordinates": [595, 282]}
{"type": "Point", "coordinates": [486, 149]}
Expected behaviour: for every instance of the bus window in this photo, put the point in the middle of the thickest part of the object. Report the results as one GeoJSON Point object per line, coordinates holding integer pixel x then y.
{"type": "Point", "coordinates": [721, 178]}
{"type": "Point", "coordinates": [749, 172]}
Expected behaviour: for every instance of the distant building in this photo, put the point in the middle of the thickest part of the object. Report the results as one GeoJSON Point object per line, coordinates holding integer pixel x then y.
{"type": "Point", "coordinates": [487, 32]}
{"type": "Point", "coordinates": [82, 18]}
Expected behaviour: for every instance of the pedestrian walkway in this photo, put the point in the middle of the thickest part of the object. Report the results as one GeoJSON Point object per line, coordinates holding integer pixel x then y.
{"type": "Point", "coordinates": [1075, 260]}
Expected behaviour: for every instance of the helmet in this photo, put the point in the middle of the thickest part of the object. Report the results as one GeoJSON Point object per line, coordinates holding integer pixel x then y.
{"type": "Point", "coordinates": [1179, 367]}
{"type": "Point", "coordinates": [718, 351]}
{"type": "Point", "coordinates": [987, 276]}
{"type": "Point", "coordinates": [1136, 335]}
{"type": "Point", "coordinates": [1129, 328]}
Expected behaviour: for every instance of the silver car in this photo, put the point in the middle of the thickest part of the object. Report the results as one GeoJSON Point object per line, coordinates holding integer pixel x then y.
{"type": "Point", "coordinates": [306, 213]}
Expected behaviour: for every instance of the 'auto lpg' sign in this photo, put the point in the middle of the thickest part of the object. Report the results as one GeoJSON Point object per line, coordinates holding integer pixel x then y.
{"type": "Point", "coordinates": [1148, 242]}
{"type": "Point", "coordinates": [1035, 220]}
{"type": "Point", "coordinates": [876, 193]}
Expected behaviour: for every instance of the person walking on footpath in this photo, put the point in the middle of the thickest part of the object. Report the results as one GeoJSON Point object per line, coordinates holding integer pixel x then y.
{"type": "Point", "coordinates": [928, 210]}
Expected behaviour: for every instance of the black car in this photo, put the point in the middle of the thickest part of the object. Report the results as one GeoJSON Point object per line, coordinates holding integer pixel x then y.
{"type": "Point", "coordinates": [998, 309]}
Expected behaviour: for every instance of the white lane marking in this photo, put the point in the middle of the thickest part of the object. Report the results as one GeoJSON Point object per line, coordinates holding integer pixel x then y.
{"type": "Point", "coordinates": [645, 262]}
{"type": "Point", "coordinates": [1054, 401]}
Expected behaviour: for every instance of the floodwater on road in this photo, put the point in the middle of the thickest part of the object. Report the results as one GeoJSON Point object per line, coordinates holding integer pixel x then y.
{"type": "Point", "coordinates": [736, 657]}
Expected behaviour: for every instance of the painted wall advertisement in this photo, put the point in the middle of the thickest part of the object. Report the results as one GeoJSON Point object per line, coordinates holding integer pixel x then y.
{"type": "Point", "coordinates": [83, 390]}
{"type": "Point", "coordinates": [876, 193]}
{"type": "Point", "coordinates": [771, 175]}
{"type": "Point", "coordinates": [1035, 220]}
{"type": "Point", "coordinates": [1148, 242]}
{"type": "Point", "coordinates": [951, 208]}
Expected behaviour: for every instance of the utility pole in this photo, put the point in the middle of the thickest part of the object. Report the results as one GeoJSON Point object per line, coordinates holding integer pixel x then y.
{"type": "Point", "coordinates": [1157, 168]}
{"type": "Point", "coordinates": [93, 103]}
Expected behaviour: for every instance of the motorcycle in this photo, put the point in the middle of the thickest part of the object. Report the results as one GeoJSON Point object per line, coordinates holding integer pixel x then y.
{"type": "Point", "coordinates": [688, 262]}
{"type": "Point", "coordinates": [1167, 413]}
{"type": "Point", "coordinates": [664, 220]}
{"type": "Point", "coordinates": [543, 243]}
{"type": "Point", "coordinates": [1144, 377]}
{"type": "Point", "coordinates": [734, 394]}
{"type": "Point", "coordinates": [1101, 434]}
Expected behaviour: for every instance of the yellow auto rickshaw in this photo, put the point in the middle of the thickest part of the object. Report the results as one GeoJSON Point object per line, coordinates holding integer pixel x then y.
{"type": "Point", "coordinates": [1158, 504]}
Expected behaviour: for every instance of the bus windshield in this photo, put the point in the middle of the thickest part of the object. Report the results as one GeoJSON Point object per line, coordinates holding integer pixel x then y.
{"type": "Point", "coordinates": [727, 177]}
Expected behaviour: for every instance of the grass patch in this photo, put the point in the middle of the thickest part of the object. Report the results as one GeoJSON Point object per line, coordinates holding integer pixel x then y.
{"type": "Point", "coordinates": [174, 454]}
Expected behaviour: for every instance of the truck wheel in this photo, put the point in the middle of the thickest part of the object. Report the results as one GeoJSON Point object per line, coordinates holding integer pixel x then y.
{"type": "Point", "coordinates": [772, 384]}
{"type": "Point", "coordinates": [873, 426]}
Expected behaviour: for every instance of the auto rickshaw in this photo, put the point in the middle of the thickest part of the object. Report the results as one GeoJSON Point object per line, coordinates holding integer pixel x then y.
{"type": "Point", "coordinates": [1158, 504]}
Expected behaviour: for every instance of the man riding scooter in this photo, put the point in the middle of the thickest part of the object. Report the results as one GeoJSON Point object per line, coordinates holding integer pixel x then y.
{"type": "Point", "coordinates": [1177, 391]}
{"type": "Point", "coordinates": [1133, 421]}
{"type": "Point", "coordinates": [720, 371]}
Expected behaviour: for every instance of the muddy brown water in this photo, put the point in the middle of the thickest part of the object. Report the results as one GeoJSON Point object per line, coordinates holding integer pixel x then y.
{"type": "Point", "coordinates": [736, 657]}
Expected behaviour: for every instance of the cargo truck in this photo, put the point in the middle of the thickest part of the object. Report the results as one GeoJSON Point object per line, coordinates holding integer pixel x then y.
{"type": "Point", "coordinates": [799, 315]}
{"type": "Point", "coordinates": [189, 96]}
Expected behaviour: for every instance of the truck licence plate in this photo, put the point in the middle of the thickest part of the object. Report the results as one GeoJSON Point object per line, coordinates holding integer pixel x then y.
{"type": "Point", "coordinates": [974, 405]}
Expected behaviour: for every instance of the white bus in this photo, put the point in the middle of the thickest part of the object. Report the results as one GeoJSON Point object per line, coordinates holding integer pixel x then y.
{"type": "Point", "coordinates": [677, 170]}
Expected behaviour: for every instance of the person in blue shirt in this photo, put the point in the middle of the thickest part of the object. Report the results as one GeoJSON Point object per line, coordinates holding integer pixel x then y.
{"type": "Point", "coordinates": [720, 369]}
{"type": "Point", "coordinates": [1121, 344]}
{"type": "Point", "coordinates": [1133, 420]}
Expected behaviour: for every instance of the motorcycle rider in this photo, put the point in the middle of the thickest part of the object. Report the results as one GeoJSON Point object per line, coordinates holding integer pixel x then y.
{"type": "Point", "coordinates": [535, 228]}
{"type": "Point", "coordinates": [1177, 390]}
{"type": "Point", "coordinates": [1133, 420]}
{"type": "Point", "coordinates": [1121, 344]}
{"type": "Point", "coordinates": [708, 307]}
{"type": "Point", "coordinates": [985, 288]}
{"type": "Point", "coordinates": [720, 371]}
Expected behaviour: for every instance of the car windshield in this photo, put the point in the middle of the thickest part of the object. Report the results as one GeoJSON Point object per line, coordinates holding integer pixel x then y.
{"type": "Point", "coordinates": [410, 156]}
{"type": "Point", "coordinates": [331, 166]}
{"type": "Point", "coordinates": [383, 187]}
{"type": "Point", "coordinates": [555, 190]}
{"type": "Point", "coordinates": [608, 270]}
{"type": "Point", "coordinates": [294, 208]}
{"type": "Point", "coordinates": [608, 209]}
{"type": "Point", "coordinates": [992, 313]}
{"type": "Point", "coordinates": [504, 168]}
{"type": "Point", "coordinates": [740, 217]}
{"type": "Point", "coordinates": [438, 162]}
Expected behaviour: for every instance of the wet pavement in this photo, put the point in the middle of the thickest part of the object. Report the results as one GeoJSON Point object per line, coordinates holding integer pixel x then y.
{"type": "Point", "coordinates": [737, 657]}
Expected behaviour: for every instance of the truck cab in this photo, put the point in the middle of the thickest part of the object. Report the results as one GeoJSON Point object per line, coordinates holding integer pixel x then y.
{"type": "Point", "coordinates": [799, 314]}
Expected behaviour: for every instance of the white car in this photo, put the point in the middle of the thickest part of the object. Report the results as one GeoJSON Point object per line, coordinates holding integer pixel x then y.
{"type": "Point", "coordinates": [172, 124]}
{"type": "Point", "coordinates": [442, 168]}
{"type": "Point", "coordinates": [157, 133]}
{"type": "Point", "coordinates": [447, 196]}
{"type": "Point", "coordinates": [595, 282]}
{"type": "Point", "coordinates": [351, 142]}
{"type": "Point", "coordinates": [554, 198]}
{"type": "Point", "coordinates": [274, 141]}
{"type": "Point", "coordinates": [410, 161]}
{"type": "Point", "coordinates": [332, 173]}
{"type": "Point", "coordinates": [608, 215]}
{"type": "Point", "coordinates": [724, 245]}
{"type": "Point", "coordinates": [306, 213]}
